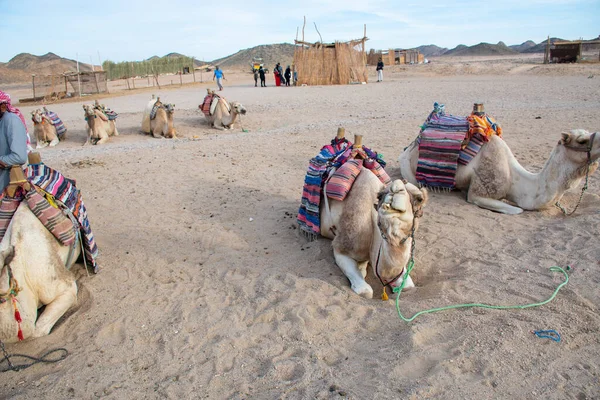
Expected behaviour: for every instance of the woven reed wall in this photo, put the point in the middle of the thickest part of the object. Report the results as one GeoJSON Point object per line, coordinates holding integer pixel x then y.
{"type": "Point", "coordinates": [325, 65]}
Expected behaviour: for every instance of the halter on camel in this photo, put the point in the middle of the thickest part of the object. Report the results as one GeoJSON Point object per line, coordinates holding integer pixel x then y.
{"type": "Point", "coordinates": [417, 213]}
{"type": "Point", "coordinates": [587, 150]}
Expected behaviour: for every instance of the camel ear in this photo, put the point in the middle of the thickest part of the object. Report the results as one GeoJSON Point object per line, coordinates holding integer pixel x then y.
{"type": "Point", "coordinates": [418, 196]}
{"type": "Point", "coordinates": [565, 138]}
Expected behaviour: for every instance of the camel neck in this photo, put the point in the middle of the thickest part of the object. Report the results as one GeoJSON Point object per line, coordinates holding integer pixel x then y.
{"type": "Point", "coordinates": [534, 191]}
{"type": "Point", "coordinates": [389, 260]}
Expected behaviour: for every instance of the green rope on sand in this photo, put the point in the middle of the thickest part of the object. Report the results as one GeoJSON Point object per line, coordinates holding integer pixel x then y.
{"type": "Point", "coordinates": [410, 266]}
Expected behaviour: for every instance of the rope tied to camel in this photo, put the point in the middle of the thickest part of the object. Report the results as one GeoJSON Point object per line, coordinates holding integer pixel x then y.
{"type": "Point", "coordinates": [12, 296]}
{"type": "Point", "coordinates": [583, 189]}
{"type": "Point", "coordinates": [410, 265]}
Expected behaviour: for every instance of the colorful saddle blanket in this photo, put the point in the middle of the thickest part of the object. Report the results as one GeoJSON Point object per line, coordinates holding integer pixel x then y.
{"type": "Point", "coordinates": [446, 141]}
{"type": "Point", "coordinates": [341, 181]}
{"type": "Point", "coordinates": [155, 108]}
{"type": "Point", "coordinates": [330, 160]}
{"type": "Point", "coordinates": [308, 215]}
{"type": "Point", "coordinates": [61, 129]}
{"type": "Point", "coordinates": [64, 190]}
{"type": "Point", "coordinates": [209, 104]}
{"type": "Point", "coordinates": [440, 143]}
{"type": "Point", "coordinates": [110, 114]}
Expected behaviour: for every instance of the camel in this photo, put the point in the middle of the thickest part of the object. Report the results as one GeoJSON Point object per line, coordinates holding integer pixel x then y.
{"type": "Point", "coordinates": [99, 127]}
{"type": "Point", "coordinates": [495, 174]}
{"type": "Point", "coordinates": [34, 261]}
{"type": "Point", "coordinates": [373, 225]}
{"type": "Point", "coordinates": [44, 130]}
{"type": "Point", "coordinates": [225, 114]}
{"type": "Point", "coordinates": [162, 123]}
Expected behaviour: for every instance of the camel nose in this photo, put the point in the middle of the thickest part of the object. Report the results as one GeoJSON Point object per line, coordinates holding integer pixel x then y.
{"type": "Point", "coordinates": [243, 111]}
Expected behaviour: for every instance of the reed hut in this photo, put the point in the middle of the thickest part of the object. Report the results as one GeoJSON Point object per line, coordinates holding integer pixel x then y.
{"type": "Point", "coordinates": [338, 63]}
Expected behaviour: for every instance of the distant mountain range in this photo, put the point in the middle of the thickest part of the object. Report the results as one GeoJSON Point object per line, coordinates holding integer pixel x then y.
{"type": "Point", "coordinates": [22, 66]}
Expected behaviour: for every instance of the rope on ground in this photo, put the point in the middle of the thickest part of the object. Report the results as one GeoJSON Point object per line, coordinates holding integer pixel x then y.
{"type": "Point", "coordinates": [398, 290]}
{"type": "Point", "coordinates": [42, 359]}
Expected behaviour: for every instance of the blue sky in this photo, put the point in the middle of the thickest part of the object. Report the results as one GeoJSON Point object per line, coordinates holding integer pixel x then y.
{"type": "Point", "coordinates": [122, 30]}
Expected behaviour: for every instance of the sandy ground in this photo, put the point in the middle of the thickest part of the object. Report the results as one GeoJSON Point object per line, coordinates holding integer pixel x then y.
{"type": "Point", "coordinates": [195, 300]}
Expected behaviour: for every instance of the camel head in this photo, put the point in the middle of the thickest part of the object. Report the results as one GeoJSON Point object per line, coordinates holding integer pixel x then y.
{"type": "Point", "coordinates": [398, 212]}
{"type": "Point", "coordinates": [88, 111]}
{"type": "Point", "coordinates": [578, 143]}
{"type": "Point", "coordinates": [36, 116]}
{"type": "Point", "coordinates": [170, 109]}
{"type": "Point", "coordinates": [238, 108]}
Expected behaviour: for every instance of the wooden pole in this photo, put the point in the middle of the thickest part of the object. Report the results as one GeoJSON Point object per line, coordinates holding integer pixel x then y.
{"type": "Point", "coordinates": [34, 158]}
{"type": "Point", "coordinates": [33, 83]}
{"type": "Point", "coordinates": [194, 68]}
{"type": "Point", "coordinates": [96, 79]}
{"type": "Point", "coordinates": [341, 132]}
{"type": "Point", "coordinates": [180, 79]}
{"type": "Point", "coordinates": [357, 142]}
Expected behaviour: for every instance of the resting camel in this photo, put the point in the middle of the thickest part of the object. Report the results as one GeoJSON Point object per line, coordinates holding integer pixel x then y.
{"type": "Point", "coordinates": [495, 174]}
{"type": "Point", "coordinates": [162, 124]}
{"type": "Point", "coordinates": [225, 114]}
{"type": "Point", "coordinates": [100, 128]}
{"type": "Point", "coordinates": [44, 130]}
{"type": "Point", "coordinates": [373, 224]}
{"type": "Point", "coordinates": [33, 260]}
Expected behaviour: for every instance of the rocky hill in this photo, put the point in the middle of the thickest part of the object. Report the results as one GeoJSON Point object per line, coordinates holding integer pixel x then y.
{"type": "Point", "coordinates": [481, 49]}
{"type": "Point", "coordinates": [431, 50]}
{"type": "Point", "coordinates": [541, 46]}
{"type": "Point", "coordinates": [271, 54]}
{"type": "Point", "coordinates": [47, 64]}
{"type": "Point", "coordinates": [523, 46]}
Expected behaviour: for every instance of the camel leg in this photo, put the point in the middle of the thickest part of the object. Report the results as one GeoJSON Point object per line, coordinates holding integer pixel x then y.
{"type": "Point", "coordinates": [116, 130]}
{"type": "Point", "coordinates": [494, 205]}
{"type": "Point", "coordinates": [362, 267]}
{"type": "Point", "coordinates": [351, 269]}
{"type": "Point", "coordinates": [102, 141]}
{"type": "Point", "coordinates": [54, 142]}
{"type": "Point", "coordinates": [55, 309]}
{"type": "Point", "coordinates": [41, 145]}
{"type": "Point", "coordinates": [156, 132]}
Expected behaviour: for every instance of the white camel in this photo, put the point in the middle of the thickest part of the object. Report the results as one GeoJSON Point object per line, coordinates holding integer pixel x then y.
{"type": "Point", "coordinates": [495, 174]}
{"type": "Point", "coordinates": [100, 128]}
{"type": "Point", "coordinates": [43, 130]}
{"type": "Point", "coordinates": [34, 261]}
{"type": "Point", "coordinates": [162, 123]}
{"type": "Point", "coordinates": [373, 225]}
{"type": "Point", "coordinates": [225, 114]}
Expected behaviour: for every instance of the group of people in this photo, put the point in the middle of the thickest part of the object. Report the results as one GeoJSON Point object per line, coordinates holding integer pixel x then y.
{"type": "Point", "coordinates": [281, 77]}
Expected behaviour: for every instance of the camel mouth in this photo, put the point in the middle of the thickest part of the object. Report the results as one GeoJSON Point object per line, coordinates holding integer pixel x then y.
{"type": "Point", "coordinates": [243, 112]}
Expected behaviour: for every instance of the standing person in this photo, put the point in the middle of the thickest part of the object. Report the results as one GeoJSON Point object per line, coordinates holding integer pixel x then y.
{"type": "Point", "coordinates": [288, 75]}
{"type": "Point", "coordinates": [277, 75]}
{"type": "Point", "coordinates": [14, 139]}
{"type": "Point", "coordinates": [380, 70]}
{"type": "Point", "coordinates": [220, 76]}
{"type": "Point", "coordinates": [256, 78]}
{"type": "Point", "coordinates": [261, 73]}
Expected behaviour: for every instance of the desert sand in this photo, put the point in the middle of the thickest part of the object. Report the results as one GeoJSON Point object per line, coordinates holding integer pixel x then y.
{"type": "Point", "coordinates": [206, 289]}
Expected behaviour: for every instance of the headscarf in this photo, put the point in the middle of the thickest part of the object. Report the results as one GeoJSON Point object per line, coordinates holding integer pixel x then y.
{"type": "Point", "coordinates": [5, 98]}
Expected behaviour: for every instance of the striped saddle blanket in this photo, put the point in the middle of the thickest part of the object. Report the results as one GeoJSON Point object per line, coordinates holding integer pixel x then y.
{"type": "Point", "coordinates": [446, 141]}
{"type": "Point", "coordinates": [440, 143]}
{"type": "Point", "coordinates": [110, 114]}
{"type": "Point", "coordinates": [209, 104]}
{"type": "Point", "coordinates": [61, 129]}
{"type": "Point", "coordinates": [62, 189]}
